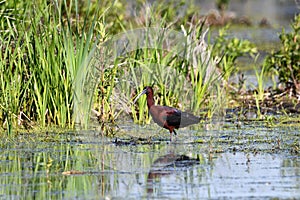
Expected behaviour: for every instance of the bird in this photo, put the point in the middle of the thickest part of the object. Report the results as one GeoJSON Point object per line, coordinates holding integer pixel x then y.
{"type": "Point", "coordinates": [165, 116]}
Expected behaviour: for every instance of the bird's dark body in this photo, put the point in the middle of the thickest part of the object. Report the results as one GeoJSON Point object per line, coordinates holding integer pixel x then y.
{"type": "Point", "coordinates": [167, 117]}
{"type": "Point", "coordinates": [171, 118]}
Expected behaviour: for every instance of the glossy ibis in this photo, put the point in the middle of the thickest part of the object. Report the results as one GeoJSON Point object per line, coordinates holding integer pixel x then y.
{"type": "Point", "coordinates": [165, 116]}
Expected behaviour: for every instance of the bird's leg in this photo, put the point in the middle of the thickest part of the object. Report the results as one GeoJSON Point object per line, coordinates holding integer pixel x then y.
{"type": "Point", "coordinates": [171, 132]}
{"type": "Point", "coordinates": [174, 132]}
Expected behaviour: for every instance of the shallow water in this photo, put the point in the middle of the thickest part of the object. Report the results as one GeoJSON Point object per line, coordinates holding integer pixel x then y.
{"type": "Point", "coordinates": [253, 161]}
{"type": "Point", "coordinates": [279, 13]}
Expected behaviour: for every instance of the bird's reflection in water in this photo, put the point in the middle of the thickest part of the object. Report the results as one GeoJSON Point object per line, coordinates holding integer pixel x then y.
{"type": "Point", "coordinates": [167, 165]}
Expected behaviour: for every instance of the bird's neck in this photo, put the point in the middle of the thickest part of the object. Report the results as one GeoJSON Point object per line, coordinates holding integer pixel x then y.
{"type": "Point", "coordinates": [150, 101]}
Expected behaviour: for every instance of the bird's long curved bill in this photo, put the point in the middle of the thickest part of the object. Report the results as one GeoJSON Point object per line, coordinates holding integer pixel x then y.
{"type": "Point", "coordinates": [138, 96]}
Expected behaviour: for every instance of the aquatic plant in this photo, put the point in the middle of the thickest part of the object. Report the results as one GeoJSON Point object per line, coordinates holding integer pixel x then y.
{"type": "Point", "coordinates": [42, 49]}
{"type": "Point", "coordinates": [182, 77]}
{"type": "Point", "coordinates": [287, 60]}
{"type": "Point", "coordinates": [229, 49]}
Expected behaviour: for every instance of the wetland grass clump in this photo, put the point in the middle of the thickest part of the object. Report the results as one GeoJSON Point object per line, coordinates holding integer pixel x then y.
{"type": "Point", "coordinates": [52, 66]}
{"type": "Point", "coordinates": [282, 99]}
{"type": "Point", "coordinates": [286, 61]}
{"type": "Point", "coordinates": [46, 47]}
{"type": "Point", "coordinates": [42, 50]}
{"type": "Point", "coordinates": [229, 50]}
{"type": "Point", "coordinates": [182, 77]}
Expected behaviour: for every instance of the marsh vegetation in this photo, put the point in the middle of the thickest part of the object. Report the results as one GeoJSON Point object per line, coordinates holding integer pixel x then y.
{"type": "Point", "coordinates": [47, 46]}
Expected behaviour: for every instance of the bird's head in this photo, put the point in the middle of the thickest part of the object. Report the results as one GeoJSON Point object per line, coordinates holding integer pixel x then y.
{"type": "Point", "coordinates": [147, 90]}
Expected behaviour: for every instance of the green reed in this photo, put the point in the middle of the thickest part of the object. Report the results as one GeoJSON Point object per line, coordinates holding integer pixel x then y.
{"type": "Point", "coordinates": [181, 80]}
{"type": "Point", "coordinates": [43, 50]}
{"type": "Point", "coordinates": [260, 76]}
{"type": "Point", "coordinates": [54, 71]}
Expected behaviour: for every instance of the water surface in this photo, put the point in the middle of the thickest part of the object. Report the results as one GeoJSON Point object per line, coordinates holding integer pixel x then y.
{"type": "Point", "coordinates": [252, 161]}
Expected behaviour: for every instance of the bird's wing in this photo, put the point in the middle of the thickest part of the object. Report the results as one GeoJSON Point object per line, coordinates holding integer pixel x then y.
{"type": "Point", "coordinates": [178, 118]}
{"type": "Point", "coordinates": [173, 117]}
{"type": "Point", "coordinates": [188, 119]}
